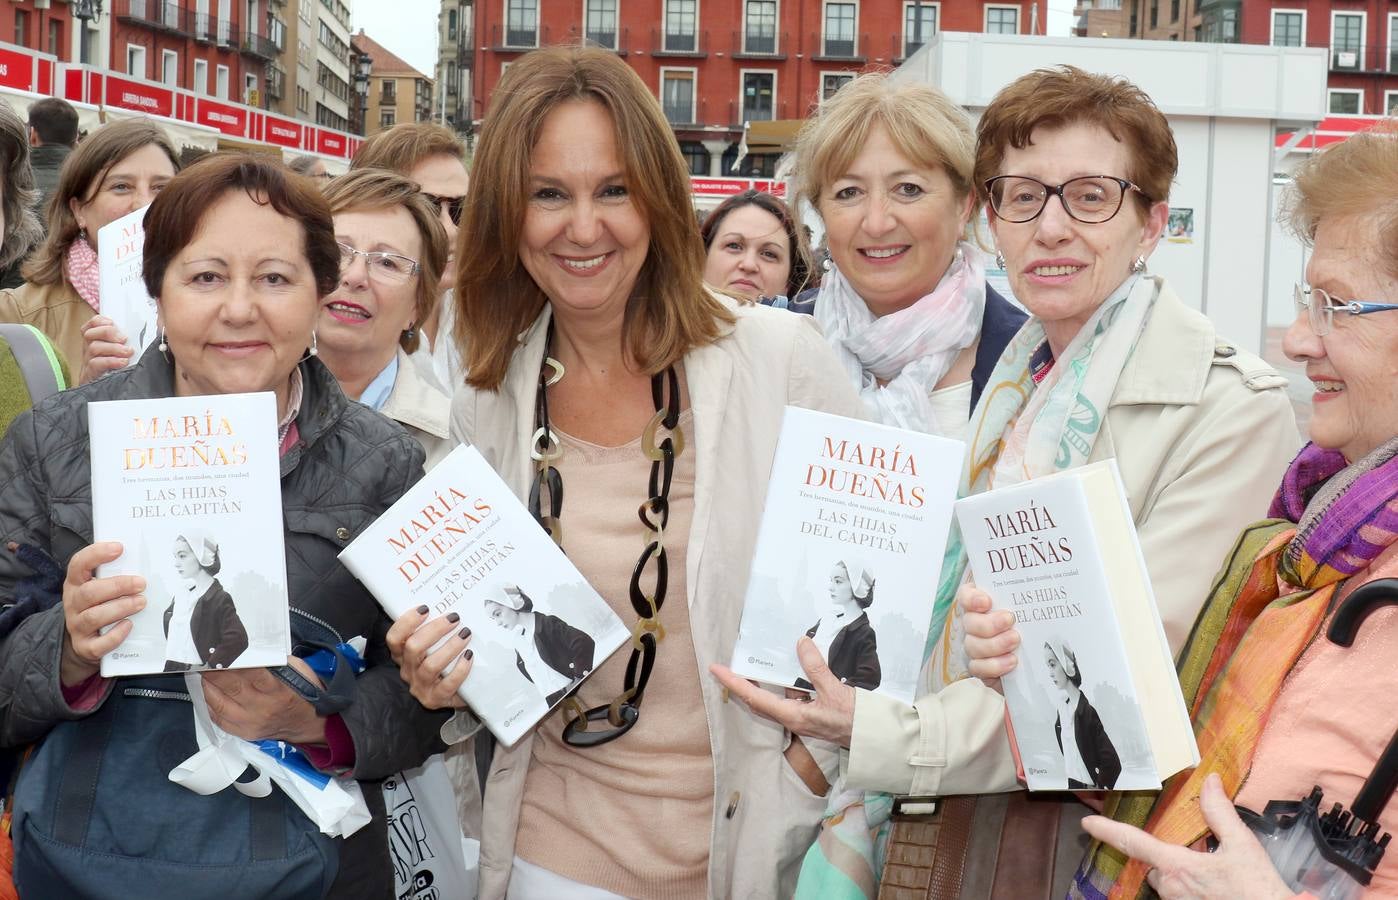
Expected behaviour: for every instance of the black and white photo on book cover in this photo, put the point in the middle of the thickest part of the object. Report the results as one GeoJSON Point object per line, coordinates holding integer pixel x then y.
{"type": "Point", "coordinates": [191, 488]}
{"type": "Point", "coordinates": [459, 541]}
{"type": "Point", "coordinates": [848, 553]}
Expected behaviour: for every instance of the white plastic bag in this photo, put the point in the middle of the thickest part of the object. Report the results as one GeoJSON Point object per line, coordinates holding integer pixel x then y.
{"type": "Point", "coordinates": [431, 859]}
{"type": "Point", "coordinates": [335, 805]}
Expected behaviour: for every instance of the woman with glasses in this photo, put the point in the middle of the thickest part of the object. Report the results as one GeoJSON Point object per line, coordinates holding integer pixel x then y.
{"type": "Point", "coordinates": [392, 250]}
{"type": "Point", "coordinates": [434, 159]}
{"type": "Point", "coordinates": [637, 413]}
{"type": "Point", "coordinates": [1076, 169]}
{"type": "Point", "coordinates": [1282, 706]}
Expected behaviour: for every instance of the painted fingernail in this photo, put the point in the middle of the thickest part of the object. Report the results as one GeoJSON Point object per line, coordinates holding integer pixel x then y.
{"type": "Point", "coordinates": [422, 610]}
{"type": "Point", "coordinates": [468, 654]}
{"type": "Point", "coordinates": [464, 633]}
{"type": "Point", "coordinates": [453, 618]}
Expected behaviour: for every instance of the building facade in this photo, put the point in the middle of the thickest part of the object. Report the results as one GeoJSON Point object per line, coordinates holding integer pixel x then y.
{"type": "Point", "coordinates": [47, 28]}
{"type": "Point", "coordinates": [720, 64]}
{"type": "Point", "coordinates": [331, 89]}
{"type": "Point", "coordinates": [396, 91]}
{"type": "Point", "coordinates": [1361, 37]}
{"type": "Point", "coordinates": [219, 48]}
{"type": "Point", "coordinates": [456, 30]}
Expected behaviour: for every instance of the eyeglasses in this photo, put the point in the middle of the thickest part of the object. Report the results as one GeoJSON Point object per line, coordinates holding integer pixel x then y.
{"type": "Point", "coordinates": [453, 206]}
{"type": "Point", "coordinates": [388, 268]}
{"type": "Point", "coordinates": [1091, 199]}
{"type": "Point", "coordinates": [1321, 315]}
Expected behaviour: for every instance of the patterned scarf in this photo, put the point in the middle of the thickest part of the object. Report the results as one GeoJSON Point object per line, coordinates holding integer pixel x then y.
{"type": "Point", "coordinates": [1020, 430]}
{"type": "Point", "coordinates": [1330, 521]}
{"type": "Point", "coordinates": [910, 350]}
{"type": "Point", "coordinates": [80, 264]}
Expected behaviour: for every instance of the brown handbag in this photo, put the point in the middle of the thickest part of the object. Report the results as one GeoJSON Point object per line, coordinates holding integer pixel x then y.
{"type": "Point", "coordinates": [1014, 846]}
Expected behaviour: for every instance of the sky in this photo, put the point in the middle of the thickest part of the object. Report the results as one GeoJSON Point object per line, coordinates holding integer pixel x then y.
{"type": "Point", "coordinates": [409, 27]}
{"type": "Point", "coordinates": [406, 27]}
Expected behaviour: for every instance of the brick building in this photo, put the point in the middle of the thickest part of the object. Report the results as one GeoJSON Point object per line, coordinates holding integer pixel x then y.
{"type": "Point", "coordinates": [719, 64]}
{"type": "Point", "coordinates": [396, 91]}
{"type": "Point", "coordinates": [220, 48]}
{"type": "Point", "coordinates": [47, 27]}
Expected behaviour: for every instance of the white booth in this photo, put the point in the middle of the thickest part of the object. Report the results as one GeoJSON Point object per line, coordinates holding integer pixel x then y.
{"type": "Point", "coordinates": [1225, 103]}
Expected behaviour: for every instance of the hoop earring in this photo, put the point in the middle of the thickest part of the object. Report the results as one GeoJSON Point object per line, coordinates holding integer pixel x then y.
{"type": "Point", "coordinates": [162, 346]}
{"type": "Point", "coordinates": [999, 260]}
{"type": "Point", "coordinates": [1139, 265]}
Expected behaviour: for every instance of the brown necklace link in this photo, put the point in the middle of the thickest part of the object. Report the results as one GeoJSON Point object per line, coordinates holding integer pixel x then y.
{"type": "Point", "coordinates": [546, 504]}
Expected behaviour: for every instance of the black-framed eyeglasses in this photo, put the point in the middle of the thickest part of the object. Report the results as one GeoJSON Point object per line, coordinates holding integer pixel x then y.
{"type": "Point", "coordinates": [1090, 199]}
{"type": "Point", "coordinates": [452, 205]}
{"type": "Point", "coordinates": [1321, 315]}
{"type": "Point", "coordinates": [390, 268]}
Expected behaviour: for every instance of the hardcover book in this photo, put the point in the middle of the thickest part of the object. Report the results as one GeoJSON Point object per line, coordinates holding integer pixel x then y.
{"type": "Point", "coordinates": [191, 487]}
{"type": "Point", "coordinates": [124, 297]}
{"type": "Point", "coordinates": [849, 552]}
{"type": "Point", "coordinates": [460, 541]}
{"type": "Point", "coordinates": [1094, 701]}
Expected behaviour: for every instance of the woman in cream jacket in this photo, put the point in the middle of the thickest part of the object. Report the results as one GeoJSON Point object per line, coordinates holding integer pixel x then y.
{"type": "Point", "coordinates": [592, 339]}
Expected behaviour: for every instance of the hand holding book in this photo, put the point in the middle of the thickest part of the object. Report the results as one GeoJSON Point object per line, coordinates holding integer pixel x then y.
{"type": "Point", "coordinates": [425, 667]}
{"type": "Point", "coordinates": [828, 715]}
{"type": "Point", "coordinates": [92, 604]}
{"type": "Point", "coordinates": [991, 638]}
{"type": "Point", "coordinates": [104, 349]}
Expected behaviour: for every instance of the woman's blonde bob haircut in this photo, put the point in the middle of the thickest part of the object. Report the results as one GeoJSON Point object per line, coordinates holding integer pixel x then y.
{"type": "Point", "coordinates": [374, 190]}
{"type": "Point", "coordinates": [1354, 179]}
{"type": "Point", "coordinates": [921, 121]}
{"type": "Point", "coordinates": [669, 312]}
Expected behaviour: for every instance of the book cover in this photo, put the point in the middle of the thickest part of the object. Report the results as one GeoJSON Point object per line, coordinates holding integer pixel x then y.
{"type": "Point", "coordinates": [849, 552]}
{"type": "Point", "coordinates": [191, 487]}
{"type": "Point", "coordinates": [460, 541]}
{"type": "Point", "coordinates": [1095, 701]}
{"type": "Point", "coordinates": [124, 297]}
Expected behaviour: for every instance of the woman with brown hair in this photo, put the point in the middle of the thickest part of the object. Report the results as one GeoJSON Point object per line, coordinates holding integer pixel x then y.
{"type": "Point", "coordinates": [600, 362]}
{"type": "Point", "coordinates": [392, 251]}
{"type": "Point", "coordinates": [754, 249]}
{"type": "Point", "coordinates": [116, 170]}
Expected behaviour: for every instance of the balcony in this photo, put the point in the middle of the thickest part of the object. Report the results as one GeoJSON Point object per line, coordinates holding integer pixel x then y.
{"type": "Point", "coordinates": [518, 40]}
{"type": "Point", "coordinates": [258, 46]}
{"type": "Point", "coordinates": [208, 30]}
{"type": "Point", "coordinates": [617, 40]}
{"type": "Point", "coordinates": [754, 44]}
{"type": "Point", "coordinates": [693, 44]}
{"type": "Point", "coordinates": [843, 48]}
{"type": "Point", "coordinates": [160, 16]}
{"type": "Point", "coordinates": [1371, 59]}
{"type": "Point", "coordinates": [276, 82]}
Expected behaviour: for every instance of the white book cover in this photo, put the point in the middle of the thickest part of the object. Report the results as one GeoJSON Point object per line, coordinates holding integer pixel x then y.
{"type": "Point", "coordinates": [191, 487]}
{"type": "Point", "coordinates": [849, 552]}
{"type": "Point", "coordinates": [1061, 553]}
{"type": "Point", "coordinates": [123, 291]}
{"type": "Point", "coordinates": [460, 541]}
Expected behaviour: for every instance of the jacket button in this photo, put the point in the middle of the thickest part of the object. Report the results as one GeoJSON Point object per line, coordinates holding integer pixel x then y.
{"type": "Point", "coordinates": [342, 533]}
{"type": "Point", "coordinates": [732, 805]}
{"type": "Point", "coordinates": [1224, 351]}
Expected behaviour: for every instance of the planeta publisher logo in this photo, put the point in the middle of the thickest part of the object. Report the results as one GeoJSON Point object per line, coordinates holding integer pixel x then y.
{"type": "Point", "coordinates": [754, 661]}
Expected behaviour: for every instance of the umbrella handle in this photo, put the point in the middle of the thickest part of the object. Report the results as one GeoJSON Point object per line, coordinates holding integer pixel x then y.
{"type": "Point", "coordinates": [1344, 627]}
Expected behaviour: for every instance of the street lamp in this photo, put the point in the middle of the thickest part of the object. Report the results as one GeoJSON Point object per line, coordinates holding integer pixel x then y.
{"type": "Point", "coordinates": [85, 11]}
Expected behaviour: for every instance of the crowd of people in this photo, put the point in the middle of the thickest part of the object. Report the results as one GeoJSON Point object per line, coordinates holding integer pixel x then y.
{"type": "Point", "coordinates": [564, 292]}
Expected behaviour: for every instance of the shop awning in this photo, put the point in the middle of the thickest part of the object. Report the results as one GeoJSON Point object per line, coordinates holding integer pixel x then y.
{"type": "Point", "coordinates": [183, 134]}
{"type": "Point", "coordinates": [775, 136]}
{"type": "Point", "coordinates": [89, 116]}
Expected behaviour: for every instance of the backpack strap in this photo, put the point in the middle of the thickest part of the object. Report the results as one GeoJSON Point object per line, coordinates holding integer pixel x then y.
{"type": "Point", "coordinates": [38, 361]}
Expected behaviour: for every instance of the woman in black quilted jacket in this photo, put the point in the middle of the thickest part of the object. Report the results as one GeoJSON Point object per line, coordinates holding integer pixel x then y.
{"type": "Point", "coordinates": [238, 253]}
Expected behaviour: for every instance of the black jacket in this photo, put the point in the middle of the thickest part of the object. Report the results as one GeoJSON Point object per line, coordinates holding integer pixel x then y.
{"type": "Point", "coordinates": [219, 635]}
{"type": "Point", "coordinates": [563, 648]}
{"type": "Point", "coordinates": [1094, 746]}
{"type": "Point", "coordinates": [999, 322]}
{"type": "Point", "coordinates": [348, 466]}
{"type": "Point", "coordinates": [854, 655]}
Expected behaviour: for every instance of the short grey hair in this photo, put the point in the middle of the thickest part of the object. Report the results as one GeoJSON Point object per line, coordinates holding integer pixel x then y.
{"type": "Point", "coordinates": [22, 228]}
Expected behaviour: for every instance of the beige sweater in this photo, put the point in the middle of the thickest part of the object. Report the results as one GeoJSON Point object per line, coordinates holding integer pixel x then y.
{"type": "Point", "coordinates": [633, 815]}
